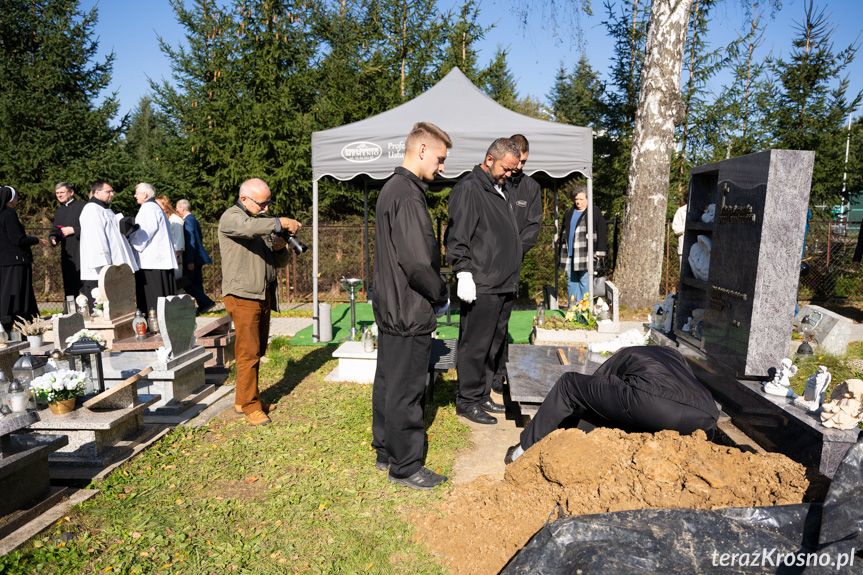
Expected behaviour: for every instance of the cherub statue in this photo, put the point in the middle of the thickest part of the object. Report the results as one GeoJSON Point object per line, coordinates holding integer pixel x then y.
{"type": "Point", "coordinates": [781, 384]}
{"type": "Point", "coordinates": [816, 385]}
{"type": "Point", "coordinates": [709, 213]}
{"type": "Point", "coordinates": [699, 258]}
{"type": "Point", "coordinates": [845, 409]}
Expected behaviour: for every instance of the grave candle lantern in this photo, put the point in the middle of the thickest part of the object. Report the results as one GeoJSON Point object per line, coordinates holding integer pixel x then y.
{"type": "Point", "coordinates": [86, 355]}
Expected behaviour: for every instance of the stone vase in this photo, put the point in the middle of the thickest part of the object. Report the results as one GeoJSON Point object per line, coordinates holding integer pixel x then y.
{"type": "Point", "coordinates": [62, 406]}
{"type": "Point", "coordinates": [35, 341]}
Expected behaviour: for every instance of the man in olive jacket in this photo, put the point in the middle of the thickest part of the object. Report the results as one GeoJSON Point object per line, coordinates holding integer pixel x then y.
{"type": "Point", "coordinates": [250, 256]}
{"type": "Point", "coordinates": [409, 292]}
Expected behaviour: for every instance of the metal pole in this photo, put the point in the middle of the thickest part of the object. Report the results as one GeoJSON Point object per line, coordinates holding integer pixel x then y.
{"type": "Point", "coordinates": [366, 234]}
{"type": "Point", "coordinates": [553, 243]}
{"type": "Point", "coordinates": [316, 320]}
{"type": "Point", "coordinates": [589, 237]}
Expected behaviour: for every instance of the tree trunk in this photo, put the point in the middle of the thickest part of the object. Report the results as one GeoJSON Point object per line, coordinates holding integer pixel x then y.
{"type": "Point", "coordinates": [639, 269]}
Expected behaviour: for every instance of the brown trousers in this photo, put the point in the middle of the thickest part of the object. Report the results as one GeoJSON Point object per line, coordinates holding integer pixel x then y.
{"type": "Point", "coordinates": [251, 319]}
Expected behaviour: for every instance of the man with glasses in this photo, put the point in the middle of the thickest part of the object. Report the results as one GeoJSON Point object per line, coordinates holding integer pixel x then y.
{"type": "Point", "coordinates": [251, 254]}
{"type": "Point", "coordinates": [484, 249]}
{"type": "Point", "coordinates": [102, 241]}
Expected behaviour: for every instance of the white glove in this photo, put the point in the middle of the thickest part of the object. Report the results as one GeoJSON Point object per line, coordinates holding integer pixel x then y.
{"type": "Point", "coordinates": [466, 288]}
{"type": "Point", "coordinates": [441, 311]}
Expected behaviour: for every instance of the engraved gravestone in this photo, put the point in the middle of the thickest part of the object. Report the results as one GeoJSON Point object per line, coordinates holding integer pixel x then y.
{"type": "Point", "coordinates": [117, 289]}
{"type": "Point", "coordinates": [65, 326]}
{"type": "Point", "coordinates": [177, 323]}
{"type": "Point", "coordinates": [757, 239]}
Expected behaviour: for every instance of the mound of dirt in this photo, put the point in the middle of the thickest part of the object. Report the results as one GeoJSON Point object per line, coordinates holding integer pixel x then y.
{"type": "Point", "coordinates": [483, 523]}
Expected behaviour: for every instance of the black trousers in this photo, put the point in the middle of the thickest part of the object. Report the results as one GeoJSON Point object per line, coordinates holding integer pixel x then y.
{"type": "Point", "coordinates": [150, 285]}
{"type": "Point", "coordinates": [611, 403]}
{"type": "Point", "coordinates": [195, 287]}
{"type": "Point", "coordinates": [398, 429]}
{"type": "Point", "coordinates": [481, 335]}
{"type": "Point", "coordinates": [503, 355]}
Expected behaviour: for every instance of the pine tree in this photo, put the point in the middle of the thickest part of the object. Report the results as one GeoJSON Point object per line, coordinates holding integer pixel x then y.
{"type": "Point", "coordinates": [576, 98]}
{"type": "Point", "coordinates": [463, 32]}
{"type": "Point", "coordinates": [498, 81]}
{"type": "Point", "coordinates": [807, 113]}
{"type": "Point", "coordinates": [51, 126]}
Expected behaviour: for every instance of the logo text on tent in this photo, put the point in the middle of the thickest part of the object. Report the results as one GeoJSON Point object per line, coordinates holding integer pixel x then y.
{"type": "Point", "coordinates": [396, 150]}
{"type": "Point", "coordinates": [361, 152]}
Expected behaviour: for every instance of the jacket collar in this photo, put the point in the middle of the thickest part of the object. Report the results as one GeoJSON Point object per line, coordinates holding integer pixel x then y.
{"type": "Point", "coordinates": [486, 180]}
{"type": "Point", "coordinates": [98, 202]}
{"type": "Point", "coordinates": [412, 177]}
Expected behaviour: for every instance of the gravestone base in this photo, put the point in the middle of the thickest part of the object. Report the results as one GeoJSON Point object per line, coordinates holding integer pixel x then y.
{"type": "Point", "coordinates": [13, 521]}
{"type": "Point", "coordinates": [355, 364]}
{"type": "Point", "coordinates": [180, 381]}
{"type": "Point", "coordinates": [574, 337]}
{"type": "Point", "coordinates": [775, 423]}
{"type": "Point", "coordinates": [111, 330]}
{"type": "Point", "coordinates": [95, 438]}
{"type": "Point", "coordinates": [24, 474]}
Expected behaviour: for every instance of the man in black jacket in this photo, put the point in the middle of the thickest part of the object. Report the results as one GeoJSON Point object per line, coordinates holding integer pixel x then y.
{"type": "Point", "coordinates": [66, 234]}
{"type": "Point", "coordinates": [525, 197]}
{"type": "Point", "coordinates": [409, 292]}
{"type": "Point", "coordinates": [484, 249]}
{"type": "Point", "coordinates": [638, 389]}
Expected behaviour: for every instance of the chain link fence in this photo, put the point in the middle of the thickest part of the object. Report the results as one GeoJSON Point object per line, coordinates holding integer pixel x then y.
{"type": "Point", "coordinates": [828, 253]}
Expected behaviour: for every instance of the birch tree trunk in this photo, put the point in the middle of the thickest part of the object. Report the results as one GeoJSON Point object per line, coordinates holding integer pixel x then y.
{"type": "Point", "coordinates": [639, 266]}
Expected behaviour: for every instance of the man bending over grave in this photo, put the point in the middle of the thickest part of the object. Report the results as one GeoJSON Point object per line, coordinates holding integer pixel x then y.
{"type": "Point", "coordinates": [639, 389]}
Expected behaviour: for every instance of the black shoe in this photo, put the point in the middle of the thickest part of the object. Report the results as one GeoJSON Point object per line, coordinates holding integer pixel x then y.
{"type": "Point", "coordinates": [497, 385]}
{"type": "Point", "coordinates": [510, 450]}
{"type": "Point", "coordinates": [490, 406]}
{"type": "Point", "coordinates": [204, 309]}
{"type": "Point", "coordinates": [382, 466]}
{"type": "Point", "coordinates": [424, 479]}
{"type": "Point", "coordinates": [476, 414]}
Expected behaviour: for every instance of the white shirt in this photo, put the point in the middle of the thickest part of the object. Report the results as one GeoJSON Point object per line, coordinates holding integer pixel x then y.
{"type": "Point", "coordinates": [678, 226]}
{"type": "Point", "coordinates": [102, 243]}
{"type": "Point", "coordinates": [153, 241]}
{"type": "Point", "coordinates": [177, 232]}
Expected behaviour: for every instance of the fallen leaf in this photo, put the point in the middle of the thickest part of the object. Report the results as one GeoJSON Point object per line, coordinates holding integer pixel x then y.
{"type": "Point", "coordinates": [251, 479]}
{"type": "Point", "coordinates": [136, 535]}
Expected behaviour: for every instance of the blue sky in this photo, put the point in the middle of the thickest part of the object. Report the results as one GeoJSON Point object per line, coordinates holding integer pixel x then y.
{"type": "Point", "coordinates": [536, 48]}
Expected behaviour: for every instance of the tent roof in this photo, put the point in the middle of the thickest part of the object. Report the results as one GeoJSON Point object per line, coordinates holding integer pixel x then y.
{"type": "Point", "coordinates": [375, 146]}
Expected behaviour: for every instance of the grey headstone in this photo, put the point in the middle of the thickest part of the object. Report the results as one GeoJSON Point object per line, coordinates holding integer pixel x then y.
{"type": "Point", "coordinates": [66, 326]}
{"type": "Point", "coordinates": [117, 288]}
{"type": "Point", "coordinates": [831, 331]}
{"type": "Point", "coordinates": [757, 238]}
{"type": "Point", "coordinates": [176, 315]}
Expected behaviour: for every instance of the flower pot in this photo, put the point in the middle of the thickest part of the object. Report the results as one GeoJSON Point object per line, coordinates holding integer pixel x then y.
{"type": "Point", "coordinates": [35, 341]}
{"type": "Point", "coordinates": [62, 406]}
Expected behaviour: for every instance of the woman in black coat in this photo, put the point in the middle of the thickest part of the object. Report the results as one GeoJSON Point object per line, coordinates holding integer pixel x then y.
{"type": "Point", "coordinates": [16, 263]}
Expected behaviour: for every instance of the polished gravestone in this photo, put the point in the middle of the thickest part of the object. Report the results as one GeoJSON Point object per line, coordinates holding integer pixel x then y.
{"type": "Point", "coordinates": [24, 475]}
{"type": "Point", "coordinates": [533, 369]}
{"type": "Point", "coordinates": [178, 366]}
{"type": "Point", "coordinates": [117, 290]}
{"type": "Point", "coordinates": [757, 238]}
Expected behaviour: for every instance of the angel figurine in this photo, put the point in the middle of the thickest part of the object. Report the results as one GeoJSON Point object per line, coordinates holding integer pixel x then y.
{"type": "Point", "coordinates": [845, 409]}
{"type": "Point", "coordinates": [781, 384]}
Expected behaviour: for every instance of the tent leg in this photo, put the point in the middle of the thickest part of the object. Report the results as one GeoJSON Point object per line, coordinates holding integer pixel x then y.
{"type": "Point", "coordinates": [556, 239]}
{"type": "Point", "coordinates": [316, 318]}
{"type": "Point", "coordinates": [590, 231]}
{"type": "Point", "coordinates": [366, 238]}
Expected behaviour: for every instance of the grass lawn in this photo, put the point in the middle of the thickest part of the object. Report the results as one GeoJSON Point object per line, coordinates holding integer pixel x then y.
{"type": "Point", "coordinates": [298, 496]}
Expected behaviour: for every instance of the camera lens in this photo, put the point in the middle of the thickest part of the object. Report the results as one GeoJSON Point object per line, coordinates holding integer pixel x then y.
{"type": "Point", "coordinates": [296, 245]}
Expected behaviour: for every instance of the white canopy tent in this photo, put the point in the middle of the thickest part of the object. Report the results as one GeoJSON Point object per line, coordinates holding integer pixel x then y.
{"type": "Point", "coordinates": [375, 146]}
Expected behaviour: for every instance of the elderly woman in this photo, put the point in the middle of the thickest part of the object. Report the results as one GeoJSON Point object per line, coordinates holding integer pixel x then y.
{"type": "Point", "coordinates": [16, 263]}
{"type": "Point", "coordinates": [572, 248]}
{"type": "Point", "coordinates": [177, 234]}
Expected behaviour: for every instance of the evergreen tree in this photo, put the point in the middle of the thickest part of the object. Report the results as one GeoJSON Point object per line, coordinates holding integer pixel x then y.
{"type": "Point", "coordinates": [240, 105]}
{"type": "Point", "coordinates": [51, 126]}
{"type": "Point", "coordinates": [462, 34]}
{"type": "Point", "coordinates": [807, 113]}
{"type": "Point", "coordinates": [498, 81]}
{"type": "Point", "coordinates": [576, 98]}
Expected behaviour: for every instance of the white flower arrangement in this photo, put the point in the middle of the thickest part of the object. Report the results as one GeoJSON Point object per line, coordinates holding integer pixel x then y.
{"type": "Point", "coordinates": [85, 333]}
{"type": "Point", "coordinates": [58, 385]}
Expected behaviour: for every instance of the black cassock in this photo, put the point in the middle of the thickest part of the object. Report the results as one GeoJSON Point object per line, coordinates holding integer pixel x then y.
{"type": "Point", "coordinates": [70, 256]}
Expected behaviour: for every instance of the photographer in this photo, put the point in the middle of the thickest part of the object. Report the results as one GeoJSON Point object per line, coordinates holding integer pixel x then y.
{"type": "Point", "coordinates": [250, 255]}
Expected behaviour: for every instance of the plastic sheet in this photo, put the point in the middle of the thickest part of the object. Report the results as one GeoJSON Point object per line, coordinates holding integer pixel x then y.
{"type": "Point", "coordinates": [812, 539]}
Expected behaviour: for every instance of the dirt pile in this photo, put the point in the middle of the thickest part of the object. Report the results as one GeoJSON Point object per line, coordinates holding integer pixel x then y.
{"type": "Point", "coordinates": [483, 523]}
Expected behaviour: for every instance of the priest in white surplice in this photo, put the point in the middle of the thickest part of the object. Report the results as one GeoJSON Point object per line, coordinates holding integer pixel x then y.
{"type": "Point", "coordinates": [102, 240]}
{"type": "Point", "coordinates": [155, 249]}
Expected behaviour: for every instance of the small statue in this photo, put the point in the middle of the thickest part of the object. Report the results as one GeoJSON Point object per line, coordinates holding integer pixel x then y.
{"type": "Point", "coordinates": [845, 409]}
{"type": "Point", "coordinates": [709, 213]}
{"type": "Point", "coordinates": [699, 258]}
{"type": "Point", "coordinates": [816, 385]}
{"type": "Point", "coordinates": [781, 384]}
{"type": "Point", "coordinates": [662, 314]}
{"type": "Point", "coordinates": [83, 306]}
{"type": "Point", "coordinates": [687, 326]}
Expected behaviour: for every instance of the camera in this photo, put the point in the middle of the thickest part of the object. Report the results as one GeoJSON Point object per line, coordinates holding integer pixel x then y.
{"type": "Point", "coordinates": [295, 244]}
